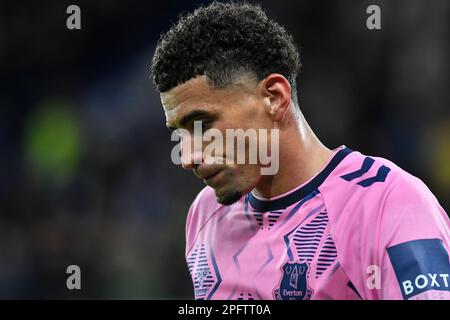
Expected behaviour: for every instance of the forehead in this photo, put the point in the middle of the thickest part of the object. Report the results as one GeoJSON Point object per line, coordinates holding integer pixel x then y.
{"type": "Point", "coordinates": [198, 93]}
{"type": "Point", "coordinates": [195, 91]}
{"type": "Point", "coordinates": [193, 96]}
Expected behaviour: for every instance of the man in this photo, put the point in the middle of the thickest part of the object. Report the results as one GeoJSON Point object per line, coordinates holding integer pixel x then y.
{"type": "Point", "coordinates": [329, 224]}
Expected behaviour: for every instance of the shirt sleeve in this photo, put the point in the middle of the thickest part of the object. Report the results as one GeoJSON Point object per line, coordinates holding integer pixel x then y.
{"type": "Point", "coordinates": [413, 244]}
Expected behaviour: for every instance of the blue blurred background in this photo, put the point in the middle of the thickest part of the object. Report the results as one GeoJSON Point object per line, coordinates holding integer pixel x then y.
{"type": "Point", "coordinates": [85, 170]}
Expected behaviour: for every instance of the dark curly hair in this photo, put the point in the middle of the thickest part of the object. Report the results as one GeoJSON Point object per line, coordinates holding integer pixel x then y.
{"type": "Point", "coordinates": [221, 41]}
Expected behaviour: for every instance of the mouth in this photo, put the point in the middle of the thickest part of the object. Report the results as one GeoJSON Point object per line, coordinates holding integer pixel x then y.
{"type": "Point", "coordinates": [212, 179]}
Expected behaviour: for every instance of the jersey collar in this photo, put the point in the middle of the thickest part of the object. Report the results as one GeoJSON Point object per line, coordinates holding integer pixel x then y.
{"type": "Point", "coordinates": [297, 195]}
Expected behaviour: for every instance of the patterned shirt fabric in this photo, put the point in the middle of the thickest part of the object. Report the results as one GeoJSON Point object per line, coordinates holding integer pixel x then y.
{"type": "Point", "coordinates": [362, 228]}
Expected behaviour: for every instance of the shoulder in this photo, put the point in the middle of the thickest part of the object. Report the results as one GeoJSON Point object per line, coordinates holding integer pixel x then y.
{"type": "Point", "coordinates": [404, 192]}
{"type": "Point", "coordinates": [405, 189]}
{"type": "Point", "coordinates": [370, 194]}
{"type": "Point", "coordinates": [372, 205]}
{"type": "Point", "coordinates": [205, 202]}
{"type": "Point", "coordinates": [202, 209]}
{"type": "Point", "coordinates": [410, 211]}
{"type": "Point", "coordinates": [362, 179]}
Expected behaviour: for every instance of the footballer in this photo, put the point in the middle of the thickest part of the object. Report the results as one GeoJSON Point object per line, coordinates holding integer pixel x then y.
{"type": "Point", "coordinates": [330, 223]}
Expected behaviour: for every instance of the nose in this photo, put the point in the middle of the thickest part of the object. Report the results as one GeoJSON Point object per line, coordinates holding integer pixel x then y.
{"type": "Point", "coordinates": [191, 152]}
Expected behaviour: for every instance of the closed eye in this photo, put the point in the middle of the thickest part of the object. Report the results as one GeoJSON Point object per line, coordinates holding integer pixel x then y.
{"type": "Point", "coordinates": [187, 121]}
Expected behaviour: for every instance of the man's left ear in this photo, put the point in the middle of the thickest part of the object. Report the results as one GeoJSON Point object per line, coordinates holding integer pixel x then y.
{"type": "Point", "coordinates": [277, 92]}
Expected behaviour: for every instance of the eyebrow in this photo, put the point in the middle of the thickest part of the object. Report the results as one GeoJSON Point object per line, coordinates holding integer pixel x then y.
{"type": "Point", "coordinates": [189, 117]}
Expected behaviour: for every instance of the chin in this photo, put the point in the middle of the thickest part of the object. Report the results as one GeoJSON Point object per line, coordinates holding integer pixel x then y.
{"type": "Point", "coordinates": [229, 197]}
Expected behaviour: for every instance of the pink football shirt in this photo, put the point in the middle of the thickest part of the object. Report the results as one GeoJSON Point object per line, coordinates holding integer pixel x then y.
{"type": "Point", "coordinates": [362, 228]}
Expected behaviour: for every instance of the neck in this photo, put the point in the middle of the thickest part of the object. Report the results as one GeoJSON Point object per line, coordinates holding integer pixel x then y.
{"type": "Point", "coordinates": [301, 155]}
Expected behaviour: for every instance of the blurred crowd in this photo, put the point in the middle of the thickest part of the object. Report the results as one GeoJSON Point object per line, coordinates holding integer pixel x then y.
{"type": "Point", "coordinates": [85, 170]}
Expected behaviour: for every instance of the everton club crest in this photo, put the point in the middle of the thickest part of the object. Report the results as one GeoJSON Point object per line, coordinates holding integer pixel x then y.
{"type": "Point", "coordinates": [293, 285]}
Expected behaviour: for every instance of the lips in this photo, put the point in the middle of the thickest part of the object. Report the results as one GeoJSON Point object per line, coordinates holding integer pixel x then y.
{"type": "Point", "coordinates": [212, 175]}
{"type": "Point", "coordinates": [207, 171]}
{"type": "Point", "coordinates": [208, 174]}
{"type": "Point", "coordinates": [213, 180]}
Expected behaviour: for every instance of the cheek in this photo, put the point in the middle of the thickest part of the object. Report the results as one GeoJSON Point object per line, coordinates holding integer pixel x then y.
{"type": "Point", "coordinates": [246, 175]}
{"type": "Point", "coordinates": [247, 112]}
